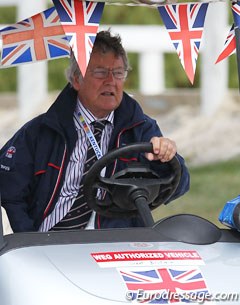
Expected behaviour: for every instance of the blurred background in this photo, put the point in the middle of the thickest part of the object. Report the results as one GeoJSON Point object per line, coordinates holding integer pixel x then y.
{"type": "Point", "coordinates": [203, 118]}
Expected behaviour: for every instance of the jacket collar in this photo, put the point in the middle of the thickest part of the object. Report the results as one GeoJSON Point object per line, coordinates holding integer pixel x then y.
{"type": "Point", "coordinates": [60, 114]}
{"type": "Point", "coordinates": [128, 113]}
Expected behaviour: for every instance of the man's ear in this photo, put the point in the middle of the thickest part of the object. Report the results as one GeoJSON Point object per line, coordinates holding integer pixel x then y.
{"type": "Point", "coordinates": [76, 82]}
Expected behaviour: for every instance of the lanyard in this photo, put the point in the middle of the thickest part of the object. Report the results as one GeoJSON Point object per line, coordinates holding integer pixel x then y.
{"type": "Point", "coordinates": [90, 136]}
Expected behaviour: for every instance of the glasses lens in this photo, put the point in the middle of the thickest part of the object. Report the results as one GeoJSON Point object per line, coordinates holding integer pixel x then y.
{"type": "Point", "coordinates": [101, 73]}
{"type": "Point", "coordinates": [119, 73]}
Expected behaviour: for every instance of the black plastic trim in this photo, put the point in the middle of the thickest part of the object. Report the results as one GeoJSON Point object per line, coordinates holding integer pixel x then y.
{"type": "Point", "coordinates": [21, 240]}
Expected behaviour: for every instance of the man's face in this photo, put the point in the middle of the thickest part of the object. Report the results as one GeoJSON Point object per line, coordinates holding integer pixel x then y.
{"type": "Point", "coordinates": [101, 95]}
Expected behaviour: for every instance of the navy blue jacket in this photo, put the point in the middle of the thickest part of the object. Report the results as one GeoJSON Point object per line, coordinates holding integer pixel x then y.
{"type": "Point", "coordinates": [34, 161]}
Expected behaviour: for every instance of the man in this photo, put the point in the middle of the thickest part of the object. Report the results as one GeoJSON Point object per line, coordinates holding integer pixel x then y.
{"type": "Point", "coordinates": [42, 166]}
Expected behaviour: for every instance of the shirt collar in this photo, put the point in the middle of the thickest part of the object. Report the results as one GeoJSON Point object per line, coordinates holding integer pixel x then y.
{"type": "Point", "coordinates": [88, 116]}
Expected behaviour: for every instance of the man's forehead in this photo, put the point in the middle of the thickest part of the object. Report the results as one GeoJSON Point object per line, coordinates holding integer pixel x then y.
{"type": "Point", "coordinates": [98, 57]}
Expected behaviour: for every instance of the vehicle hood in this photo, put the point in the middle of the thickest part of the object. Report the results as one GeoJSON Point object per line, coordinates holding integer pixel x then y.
{"type": "Point", "coordinates": [118, 273]}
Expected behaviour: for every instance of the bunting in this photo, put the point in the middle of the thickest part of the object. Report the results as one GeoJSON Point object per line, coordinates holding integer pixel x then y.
{"type": "Point", "coordinates": [37, 38]}
{"type": "Point", "coordinates": [80, 21]}
{"type": "Point", "coordinates": [73, 24]}
{"type": "Point", "coordinates": [185, 23]}
{"type": "Point", "coordinates": [230, 42]}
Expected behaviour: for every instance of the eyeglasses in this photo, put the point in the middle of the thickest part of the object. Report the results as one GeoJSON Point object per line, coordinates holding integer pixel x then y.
{"type": "Point", "coordinates": [101, 73]}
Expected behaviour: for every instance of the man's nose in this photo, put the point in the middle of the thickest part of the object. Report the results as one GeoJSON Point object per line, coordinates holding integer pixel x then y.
{"type": "Point", "coordinates": [110, 76]}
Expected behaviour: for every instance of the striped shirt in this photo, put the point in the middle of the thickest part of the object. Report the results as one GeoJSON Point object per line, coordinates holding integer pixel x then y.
{"type": "Point", "coordinates": [74, 171]}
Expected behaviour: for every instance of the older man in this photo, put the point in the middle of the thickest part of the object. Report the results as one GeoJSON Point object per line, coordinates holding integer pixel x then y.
{"type": "Point", "coordinates": [42, 166]}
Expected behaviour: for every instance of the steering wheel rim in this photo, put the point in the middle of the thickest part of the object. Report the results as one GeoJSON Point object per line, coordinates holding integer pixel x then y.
{"type": "Point", "coordinates": [94, 181]}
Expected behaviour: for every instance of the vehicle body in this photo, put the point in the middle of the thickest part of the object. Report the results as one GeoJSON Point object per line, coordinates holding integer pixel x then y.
{"type": "Point", "coordinates": [87, 267]}
{"type": "Point", "coordinates": [179, 259]}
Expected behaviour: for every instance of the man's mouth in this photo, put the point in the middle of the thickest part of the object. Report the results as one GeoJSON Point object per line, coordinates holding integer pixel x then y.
{"type": "Point", "coordinates": [107, 94]}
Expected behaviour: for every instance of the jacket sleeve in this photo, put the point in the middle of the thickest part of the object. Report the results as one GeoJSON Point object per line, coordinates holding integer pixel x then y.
{"type": "Point", "coordinates": [16, 174]}
{"type": "Point", "coordinates": [152, 129]}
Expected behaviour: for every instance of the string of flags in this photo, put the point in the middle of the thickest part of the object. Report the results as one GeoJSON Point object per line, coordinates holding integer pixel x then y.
{"type": "Point", "coordinates": [72, 25]}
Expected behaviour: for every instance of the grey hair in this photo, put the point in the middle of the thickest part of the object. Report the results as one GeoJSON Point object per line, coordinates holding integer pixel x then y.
{"type": "Point", "coordinates": [105, 42]}
{"type": "Point", "coordinates": [73, 70]}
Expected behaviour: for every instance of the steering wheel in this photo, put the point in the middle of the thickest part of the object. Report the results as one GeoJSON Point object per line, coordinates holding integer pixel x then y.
{"type": "Point", "coordinates": [135, 186]}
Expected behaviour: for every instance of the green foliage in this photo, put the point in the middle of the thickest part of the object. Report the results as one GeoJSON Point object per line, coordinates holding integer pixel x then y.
{"type": "Point", "coordinates": [8, 14]}
{"type": "Point", "coordinates": [114, 14]}
{"type": "Point", "coordinates": [210, 188]}
{"type": "Point", "coordinates": [8, 79]}
{"type": "Point", "coordinates": [56, 73]}
{"type": "Point", "coordinates": [233, 72]}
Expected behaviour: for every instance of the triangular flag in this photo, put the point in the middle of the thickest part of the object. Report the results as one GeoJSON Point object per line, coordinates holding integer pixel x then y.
{"type": "Point", "coordinates": [236, 13]}
{"type": "Point", "coordinates": [229, 46]}
{"type": "Point", "coordinates": [230, 42]}
{"type": "Point", "coordinates": [36, 38]}
{"type": "Point", "coordinates": [184, 23]}
{"type": "Point", "coordinates": [80, 21]}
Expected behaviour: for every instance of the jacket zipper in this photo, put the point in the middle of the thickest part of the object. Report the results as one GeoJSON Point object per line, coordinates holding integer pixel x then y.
{"type": "Point", "coordinates": [118, 141]}
{"type": "Point", "coordinates": [97, 220]}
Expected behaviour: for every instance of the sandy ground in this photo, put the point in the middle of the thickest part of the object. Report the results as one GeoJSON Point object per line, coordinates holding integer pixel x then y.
{"type": "Point", "coordinates": [200, 139]}
{"type": "Point", "coordinates": [204, 139]}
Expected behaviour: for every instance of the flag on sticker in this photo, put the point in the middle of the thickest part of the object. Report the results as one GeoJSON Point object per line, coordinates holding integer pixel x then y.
{"type": "Point", "coordinates": [230, 42]}
{"type": "Point", "coordinates": [80, 21]}
{"type": "Point", "coordinates": [165, 285]}
{"type": "Point", "coordinates": [185, 23]}
{"type": "Point", "coordinates": [37, 38]}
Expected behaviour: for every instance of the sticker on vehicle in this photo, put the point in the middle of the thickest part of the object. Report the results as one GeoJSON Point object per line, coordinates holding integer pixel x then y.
{"type": "Point", "coordinates": [181, 285]}
{"type": "Point", "coordinates": [147, 258]}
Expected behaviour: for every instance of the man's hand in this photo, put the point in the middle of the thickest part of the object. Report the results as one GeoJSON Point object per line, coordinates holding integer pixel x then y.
{"type": "Point", "coordinates": [164, 149]}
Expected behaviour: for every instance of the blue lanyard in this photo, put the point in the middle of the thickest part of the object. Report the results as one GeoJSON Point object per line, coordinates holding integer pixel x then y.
{"type": "Point", "coordinates": [90, 136]}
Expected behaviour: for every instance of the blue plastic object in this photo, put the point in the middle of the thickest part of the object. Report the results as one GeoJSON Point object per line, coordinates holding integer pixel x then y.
{"type": "Point", "coordinates": [230, 214]}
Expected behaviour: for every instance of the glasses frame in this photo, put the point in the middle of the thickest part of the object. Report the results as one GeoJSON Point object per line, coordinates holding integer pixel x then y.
{"type": "Point", "coordinates": [107, 71]}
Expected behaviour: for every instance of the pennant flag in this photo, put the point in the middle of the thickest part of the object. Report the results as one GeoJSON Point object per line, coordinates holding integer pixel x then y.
{"type": "Point", "coordinates": [229, 46]}
{"type": "Point", "coordinates": [165, 285]}
{"type": "Point", "coordinates": [184, 23]}
{"type": "Point", "coordinates": [230, 43]}
{"type": "Point", "coordinates": [37, 38]}
{"type": "Point", "coordinates": [236, 13]}
{"type": "Point", "coordinates": [80, 21]}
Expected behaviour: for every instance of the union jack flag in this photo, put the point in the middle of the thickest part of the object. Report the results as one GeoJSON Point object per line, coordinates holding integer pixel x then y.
{"type": "Point", "coordinates": [80, 21]}
{"type": "Point", "coordinates": [184, 23]}
{"type": "Point", "coordinates": [230, 43]}
{"type": "Point", "coordinates": [229, 46]}
{"type": "Point", "coordinates": [37, 38]}
{"type": "Point", "coordinates": [164, 285]}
